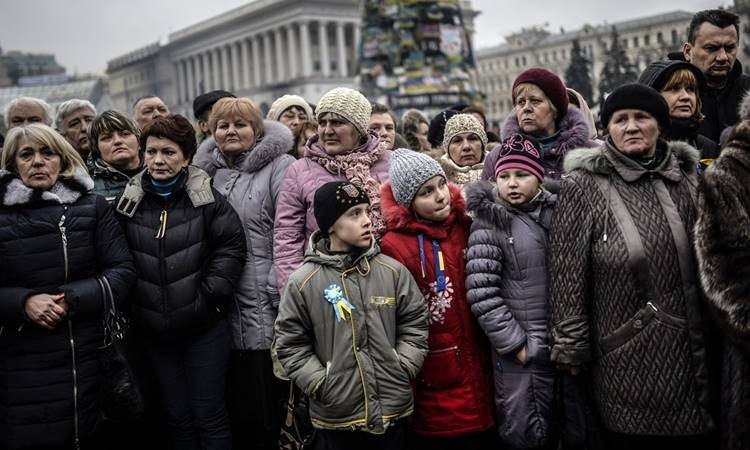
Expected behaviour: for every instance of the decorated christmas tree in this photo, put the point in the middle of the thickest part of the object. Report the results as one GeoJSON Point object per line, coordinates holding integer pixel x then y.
{"type": "Point", "coordinates": [416, 54]}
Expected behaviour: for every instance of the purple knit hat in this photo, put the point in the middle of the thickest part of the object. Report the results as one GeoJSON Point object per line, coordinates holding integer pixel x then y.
{"type": "Point", "coordinates": [520, 152]}
{"type": "Point", "coordinates": [549, 83]}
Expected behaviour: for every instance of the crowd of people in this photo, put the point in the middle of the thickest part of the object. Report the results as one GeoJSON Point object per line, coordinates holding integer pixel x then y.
{"type": "Point", "coordinates": [424, 283]}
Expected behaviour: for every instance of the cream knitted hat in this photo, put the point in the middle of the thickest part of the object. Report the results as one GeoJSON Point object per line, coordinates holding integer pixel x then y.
{"type": "Point", "coordinates": [285, 102]}
{"type": "Point", "coordinates": [347, 103]}
{"type": "Point", "coordinates": [463, 123]}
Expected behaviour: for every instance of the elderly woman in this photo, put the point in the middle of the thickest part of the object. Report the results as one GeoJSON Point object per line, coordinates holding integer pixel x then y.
{"type": "Point", "coordinates": [189, 251]}
{"type": "Point", "coordinates": [383, 123]}
{"type": "Point", "coordinates": [248, 166]}
{"type": "Point", "coordinates": [115, 153]}
{"type": "Point", "coordinates": [56, 239]}
{"type": "Point", "coordinates": [73, 120]}
{"type": "Point", "coordinates": [680, 84]}
{"type": "Point", "coordinates": [342, 150]}
{"type": "Point", "coordinates": [464, 145]}
{"type": "Point", "coordinates": [542, 113]}
{"type": "Point", "coordinates": [624, 295]}
{"type": "Point", "coordinates": [414, 128]}
{"type": "Point", "coordinates": [291, 110]}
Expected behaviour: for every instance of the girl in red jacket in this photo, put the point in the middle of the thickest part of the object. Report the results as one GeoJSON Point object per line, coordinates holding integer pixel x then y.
{"type": "Point", "coordinates": [427, 231]}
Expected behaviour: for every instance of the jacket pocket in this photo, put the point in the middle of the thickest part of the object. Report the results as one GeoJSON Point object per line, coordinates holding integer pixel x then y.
{"type": "Point", "coordinates": [442, 368]}
{"type": "Point", "coordinates": [648, 316]}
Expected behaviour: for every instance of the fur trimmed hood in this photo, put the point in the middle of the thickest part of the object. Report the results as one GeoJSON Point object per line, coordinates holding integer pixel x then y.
{"type": "Point", "coordinates": [744, 109]}
{"type": "Point", "coordinates": [482, 201]}
{"type": "Point", "coordinates": [400, 218]}
{"type": "Point", "coordinates": [65, 191]}
{"type": "Point", "coordinates": [606, 160]}
{"type": "Point", "coordinates": [574, 131]}
{"type": "Point", "coordinates": [277, 140]}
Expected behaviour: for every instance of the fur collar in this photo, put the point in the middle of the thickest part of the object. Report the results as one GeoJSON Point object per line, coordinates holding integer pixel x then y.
{"type": "Point", "coordinates": [400, 218]}
{"type": "Point", "coordinates": [277, 140]}
{"type": "Point", "coordinates": [574, 131]}
{"type": "Point", "coordinates": [744, 109]}
{"type": "Point", "coordinates": [65, 191]}
{"type": "Point", "coordinates": [482, 201]}
{"type": "Point", "coordinates": [605, 160]}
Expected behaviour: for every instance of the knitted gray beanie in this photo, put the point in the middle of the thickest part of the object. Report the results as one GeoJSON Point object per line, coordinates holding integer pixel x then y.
{"type": "Point", "coordinates": [409, 170]}
{"type": "Point", "coordinates": [347, 103]}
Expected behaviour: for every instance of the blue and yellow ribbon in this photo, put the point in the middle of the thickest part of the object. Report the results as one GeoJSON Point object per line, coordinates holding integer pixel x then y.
{"type": "Point", "coordinates": [335, 296]}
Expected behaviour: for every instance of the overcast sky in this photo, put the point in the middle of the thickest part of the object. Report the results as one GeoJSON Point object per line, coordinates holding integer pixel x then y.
{"type": "Point", "coordinates": [84, 34]}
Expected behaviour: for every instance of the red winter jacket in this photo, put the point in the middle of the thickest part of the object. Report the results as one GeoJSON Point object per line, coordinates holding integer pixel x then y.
{"type": "Point", "coordinates": [454, 388]}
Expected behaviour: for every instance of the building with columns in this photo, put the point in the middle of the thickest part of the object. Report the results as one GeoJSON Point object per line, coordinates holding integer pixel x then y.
{"type": "Point", "coordinates": [262, 50]}
{"type": "Point", "coordinates": [645, 39]}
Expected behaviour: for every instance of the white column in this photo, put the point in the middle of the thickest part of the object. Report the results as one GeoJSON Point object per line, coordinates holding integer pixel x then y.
{"type": "Point", "coordinates": [291, 45]}
{"type": "Point", "coordinates": [180, 81]}
{"type": "Point", "coordinates": [245, 64]}
{"type": "Point", "coordinates": [256, 60]}
{"type": "Point", "coordinates": [267, 57]}
{"type": "Point", "coordinates": [235, 66]}
{"type": "Point", "coordinates": [216, 66]}
{"type": "Point", "coordinates": [190, 78]}
{"type": "Point", "coordinates": [206, 73]}
{"type": "Point", "coordinates": [325, 64]}
{"type": "Point", "coordinates": [281, 73]}
{"type": "Point", "coordinates": [225, 73]}
{"type": "Point", "coordinates": [343, 66]}
{"type": "Point", "coordinates": [304, 36]}
{"type": "Point", "coordinates": [356, 40]}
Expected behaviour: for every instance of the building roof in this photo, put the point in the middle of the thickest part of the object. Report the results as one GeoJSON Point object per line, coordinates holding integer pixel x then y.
{"type": "Point", "coordinates": [56, 93]}
{"type": "Point", "coordinates": [133, 57]}
{"type": "Point", "coordinates": [602, 29]}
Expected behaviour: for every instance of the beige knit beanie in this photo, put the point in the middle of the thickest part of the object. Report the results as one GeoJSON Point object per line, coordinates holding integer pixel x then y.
{"type": "Point", "coordinates": [463, 123]}
{"type": "Point", "coordinates": [285, 102]}
{"type": "Point", "coordinates": [347, 103]}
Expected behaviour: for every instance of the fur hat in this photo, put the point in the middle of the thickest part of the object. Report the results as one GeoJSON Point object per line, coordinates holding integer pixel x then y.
{"type": "Point", "coordinates": [333, 199]}
{"type": "Point", "coordinates": [204, 102]}
{"type": "Point", "coordinates": [636, 96]}
{"type": "Point", "coordinates": [462, 123]}
{"type": "Point", "coordinates": [519, 152]}
{"type": "Point", "coordinates": [347, 103]}
{"type": "Point", "coordinates": [549, 83]}
{"type": "Point", "coordinates": [409, 170]}
{"type": "Point", "coordinates": [285, 102]}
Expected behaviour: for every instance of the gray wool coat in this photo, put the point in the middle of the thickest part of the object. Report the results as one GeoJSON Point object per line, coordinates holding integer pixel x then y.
{"type": "Point", "coordinates": [506, 282]}
{"type": "Point", "coordinates": [252, 185]}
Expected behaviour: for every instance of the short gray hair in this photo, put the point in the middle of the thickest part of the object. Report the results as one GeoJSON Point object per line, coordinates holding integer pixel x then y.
{"type": "Point", "coordinates": [69, 107]}
{"type": "Point", "coordinates": [37, 101]}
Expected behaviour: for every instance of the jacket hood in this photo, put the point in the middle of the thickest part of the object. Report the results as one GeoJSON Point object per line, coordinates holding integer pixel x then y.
{"type": "Point", "coordinates": [400, 218]}
{"type": "Point", "coordinates": [657, 73]}
{"type": "Point", "coordinates": [606, 160]}
{"type": "Point", "coordinates": [315, 149]}
{"type": "Point", "coordinates": [197, 186]}
{"type": "Point", "coordinates": [574, 131]}
{"type": "Point", "coordinates": [588, 116]}
{"type": "Point", "coordinates": [277, 140]}
{"type": "Point", "coordinates": [482, 201]}
{"type": "Point", "coordinates": [317, 252]}
{"type": "Point", "coordinates": [65, 191]}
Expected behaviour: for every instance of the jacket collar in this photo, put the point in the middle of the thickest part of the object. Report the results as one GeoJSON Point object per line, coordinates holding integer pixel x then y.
{"type": "Point", "coordinates": [449, 165]}
{"type": "Point", "coordinates": [681, 158]}
{"type": "Point", "coordinates": [65, 191]}
{"type": "Point", "coordinates": [197, 186]}
{"type": "Point", "coordinates": [99, 167]}
{"type": "Point", "coordinates": [277, 140]}
{"type": "Point", "coordinates": [482, 201]}
{"type": "Point", "coordinates": [400, 218]}
{"type": "Point", "coordinates": [317, 252]}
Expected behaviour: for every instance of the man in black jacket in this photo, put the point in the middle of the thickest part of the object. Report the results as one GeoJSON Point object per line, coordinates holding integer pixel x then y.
{"type": "Point", "coordinates": [713, 40]}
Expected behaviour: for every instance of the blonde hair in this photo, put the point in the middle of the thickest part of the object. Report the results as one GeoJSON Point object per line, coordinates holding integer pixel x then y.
{"type": "Point", "coordinates": [70, 160]}
{"type": "Point", "coordinates": [525, 87]}
{"type": "Point", "coordinates": [228, 107]}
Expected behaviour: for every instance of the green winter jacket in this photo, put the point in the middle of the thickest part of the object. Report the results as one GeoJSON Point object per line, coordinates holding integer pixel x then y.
{"type": "Point", "coordinates": [357, 370]}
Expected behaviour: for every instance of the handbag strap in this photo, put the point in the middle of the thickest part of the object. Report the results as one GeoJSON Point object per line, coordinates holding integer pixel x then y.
{"type": "Point", "coordinates": [113, 322]}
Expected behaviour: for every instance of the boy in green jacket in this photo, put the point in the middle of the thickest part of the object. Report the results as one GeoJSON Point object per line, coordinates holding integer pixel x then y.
{"type": "Point", "coordinates": [352, 328]}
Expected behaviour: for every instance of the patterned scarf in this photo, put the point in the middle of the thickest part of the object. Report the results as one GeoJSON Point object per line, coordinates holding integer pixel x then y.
{"type": "Point", "coordinates": [355, 166]}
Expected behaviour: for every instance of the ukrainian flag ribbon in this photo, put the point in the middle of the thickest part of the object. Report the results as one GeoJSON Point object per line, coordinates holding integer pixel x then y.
{"type": "Point", "coordinates": [335, 296]}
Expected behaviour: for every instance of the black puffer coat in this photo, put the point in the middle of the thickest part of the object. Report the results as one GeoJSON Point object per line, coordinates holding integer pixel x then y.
{"type": "Point", "coordinates": [187, 277]}
{"type": "Point", "coordinates": [624, 293]}
{"type": "Point", "coordinates": [39, 368]}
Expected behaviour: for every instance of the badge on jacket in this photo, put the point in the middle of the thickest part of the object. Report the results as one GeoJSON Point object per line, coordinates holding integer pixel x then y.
{"type": "Point", "coordinates": [334, 294]}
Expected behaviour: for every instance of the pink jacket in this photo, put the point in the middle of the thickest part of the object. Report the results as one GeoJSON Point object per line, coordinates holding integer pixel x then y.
{"type": "Point", "coordinates": [295, 221]}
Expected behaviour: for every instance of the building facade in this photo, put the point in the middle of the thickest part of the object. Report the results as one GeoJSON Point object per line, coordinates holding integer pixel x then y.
{"type": "Point", "coordinates": [645, 39]}
{"type": "Point", "coordinates": [262, 50]}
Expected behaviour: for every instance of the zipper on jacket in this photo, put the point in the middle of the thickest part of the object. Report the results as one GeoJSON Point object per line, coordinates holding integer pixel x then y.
{"type": "Point", "coordinates": [511, 243]}
{"type": "Point", "coordinates": [71, 338]}
{"type": "Point", "coordinates": [444, 350]}
{"type": "Point", "coordinates": [162, 231]}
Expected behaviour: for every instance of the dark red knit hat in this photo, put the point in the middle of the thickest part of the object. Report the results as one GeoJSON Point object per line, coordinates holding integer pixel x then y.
{"type": "Point", "coordinates": [520, 152]}
{"type": "Point", "coordinates": [549, 83]}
